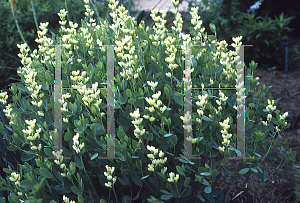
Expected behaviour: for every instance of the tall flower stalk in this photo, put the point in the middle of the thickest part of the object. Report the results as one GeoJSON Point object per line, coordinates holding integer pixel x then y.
{"type": "Point", "coordinates": [14, 11]}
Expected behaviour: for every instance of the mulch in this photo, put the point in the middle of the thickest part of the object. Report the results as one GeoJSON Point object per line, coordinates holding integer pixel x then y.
{"type": "Point", "coordinates": [281, 189]}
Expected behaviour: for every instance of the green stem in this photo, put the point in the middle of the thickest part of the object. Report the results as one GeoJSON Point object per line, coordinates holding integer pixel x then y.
{"type": "Point", "coordinates": [17, 24]}
{"type": "Point", "coordinates": [176, 187]}
{"type": "Point", "coordinates": [67, 10]}
{"type": "Point", "coordinates": [115, 195]}
{"type": "Point", "coordinates": [34, 15]}
{"type": "Point", "coordinates": [12, 56]}
{"type": "Point", "coordinates": [109, 195]}
{"type": "Point", "coordinates": [149, 187]}
{"type": "Point", "coordinates": [230, 189]}
{"type": "Point", "coordinates": [88, 176]}
{"type": "Point", "coordinates": [96, 11]}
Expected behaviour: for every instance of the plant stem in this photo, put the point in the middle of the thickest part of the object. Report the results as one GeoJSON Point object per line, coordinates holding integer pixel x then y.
{"type": "Point", "coordinates": [176, 187]}
{"type": "Point", "coordinates": [17, 24]}
{"type": "Point", "coordinates": [109, 195]}
{"type": "Point", "coordinates": [115, 195]}
{"type": "Point", "coordinates": [67, 10]}
{"type": "Point", "coordinates": [88, 176]}
{"type": "Point", "coordinates": [34, 16]}
{"type": "Point", "coordinates": [230, 189]}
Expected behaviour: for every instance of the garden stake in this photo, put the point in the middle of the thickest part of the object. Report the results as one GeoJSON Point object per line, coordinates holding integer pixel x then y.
{"type": "Point", "coordinates": [285, 43]}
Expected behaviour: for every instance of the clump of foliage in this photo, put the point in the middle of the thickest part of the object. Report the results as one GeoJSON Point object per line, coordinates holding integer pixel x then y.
{"type": "Point", "coordinates": [152, 80]}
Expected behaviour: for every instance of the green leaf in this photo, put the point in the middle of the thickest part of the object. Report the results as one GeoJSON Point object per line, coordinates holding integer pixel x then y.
{"type": "Point", "coordinates": [178, 99]}
{"type": "Point", "coordinates": [202, 169]}
{"type": "Point", "coordinates": [94, 156]}
{"type": "Point", "coordinates": [21, 87]}
{"type": "Point", "coordinates": [13, 89]}
{"type": "Point", "coordinates": [75, 190]}
{"type": "Point", "coordinates": [257, 154]}
{"type": "Point", "coordinates": [78, 162]}
{"type": "Point", "coordinates": [251, 105]}
{"type": "Point", "coordinates": [128, 92]}
{"type": "Point", "coordinates": [141, 93]}
{"type": "Point", "coordinates": [123, 182]}
{"type": "Point", "coordinates": [207, 189]}
{"type": "Point", "coordinates": [209, 198]}
{"type": "Point", "coordinates": [18, 110]}
{"type": "Point", "coordinates": [90, 71]}
{"type": "Point", "coordinates": [72, 167]}
{"type": "Point", "coordinates": [187, 181]}
{"type": "Point", "coordinates": [13, 198]}
{"type": "Point", "coordinates": [168, 90]}
{"type": "Point", "coordinates": [214, 173]}
{"type": "Point", "coordinates": [145, 177]}
{"type": "Point", "coordinates": [7, 170]}
{"type": "Point", "coordinates": [46, 173]}
{"type": "Point", "coordinates": [167, 135]}
{"type": "Point", "coordinates": [166, 197]}
{"type": "Point", "coordinates": [162, 132]}
{"type": "Point", "coordinates": [153, 130]}
{"type": "Point", "coordinates": [26, 157]}
{"type": "Point", "coordinates": [165, 192]}
{"type": "Point", "coordinates": [74, 110]}
{"type": "Point", "coordinates": [121, 134]}
{"type": "Point", "coordinates": [125, 171]}
{"type": "Point", "coordinates": [131, 101]}
{"type": "Point", "coordinates": [102, 201]}
{"type": "Point", "coordinates": [206, 118]}
{"type": "Point", "coordinates": [243, 171]}
{"type": "Point", "coordinates": [48, 77]}
{"type": "Point", "coordinates": [254, 170]}
{"type": "Point", "coordinates": [27, 184]}
{"type": "Point", "coordinates": [205, 174]}
{"type": "Point", "coordinates": [204, 182]}
{"type": "Point", "coordinates": [143, 36]}
{"type": "Point", "coordinates": [180, 171]}
{"type": "Point", "coordinates": [149, 137]}
{"type": "Point", "coordinates": [212, 27]}
{"type": "Point", "coordinates": [68, 136]}
{"type": "Point", "coordinates": [137, 196]}
{"type": "Point", "coordinates": [80, 199]}
{"type": "Point", "coordinates": [179, 94]}
{"type": "Point", "coordinates": [48, 152]}
{"type": "Point", "coordinates": [211, 37]}
{"type": "Point", "coordinates": [127, 199]}
{"type": "Point", "coordinates": [201, 198]}
{"type": "Point", "coordinates": [157, 75]}
{"type": "Point", "coordinates": [136, 179]}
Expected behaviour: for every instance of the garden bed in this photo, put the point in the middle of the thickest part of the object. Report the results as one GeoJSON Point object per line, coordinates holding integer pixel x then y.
{"type": "Point", "coordinates": [279, 188]}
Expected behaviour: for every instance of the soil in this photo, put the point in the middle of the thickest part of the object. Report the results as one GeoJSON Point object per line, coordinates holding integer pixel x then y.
{"type": "Point", "coordinates": [281, 189]}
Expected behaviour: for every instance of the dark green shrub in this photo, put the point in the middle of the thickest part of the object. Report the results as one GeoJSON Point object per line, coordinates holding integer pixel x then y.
{"type": "Point", "coordinates": [232, 19]}
{"type": "Point", "coordinates": [265, 34]}
{"type": "Point", "coordinates": [46, 11]}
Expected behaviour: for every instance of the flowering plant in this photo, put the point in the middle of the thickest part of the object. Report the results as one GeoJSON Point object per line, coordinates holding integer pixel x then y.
{"type": "Point", "coordinates": [150, 84]}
